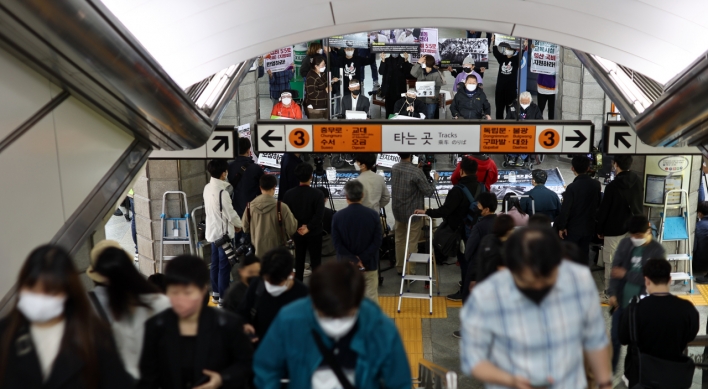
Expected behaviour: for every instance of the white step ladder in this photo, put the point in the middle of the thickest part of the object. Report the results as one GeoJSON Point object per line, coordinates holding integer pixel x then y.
{"type": "Point", "coordinates": [428, 258]}
{"type": "Point", "coordinates": [175, 230]}
{"type": "Point", "coordinates": [675, 229]}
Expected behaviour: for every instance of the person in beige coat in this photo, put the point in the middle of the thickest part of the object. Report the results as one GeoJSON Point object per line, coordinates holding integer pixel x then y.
{"type": "Point", "coordinates": [261, 219]}
{"type": "Point", "coordinates": [376, 194]}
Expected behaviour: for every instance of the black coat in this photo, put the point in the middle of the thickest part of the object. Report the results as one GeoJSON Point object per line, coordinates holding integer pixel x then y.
{"type": "Point", "coordinates": [454, 210]}
{"type": "Point", "coordinates": [622, 199]}
{"type": "Point", "coordinates": [418, 108]}
{"type": "Point", "coordinates": [394, 72]}
{"type": "Point", "coordinates": [221, 346]}
{"type": "Point", "coordinates": [530, 113]}
{"type": "Point", "coordinates": [287, 174]}
{"type": "Point", "coordinates": [362, 104]}
{"type": "Point", "coordinates": [580, 202]}
{"type": "Point", "coordinates": [466, 107]}
{"type": "Point", "coordinates": [307, 205]}
{"type": "Point", "coordinates": [247, 187]}
{"type": "Point", "coordinates": [23, 369]}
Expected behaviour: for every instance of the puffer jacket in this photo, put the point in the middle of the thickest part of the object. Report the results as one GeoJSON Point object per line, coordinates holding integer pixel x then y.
{"type": "Point", "coordinates": [261, 221]}
{"type": "Point", "coordinates": [622, 200]}
{"type": "Point", "coordinates": [470, 106]}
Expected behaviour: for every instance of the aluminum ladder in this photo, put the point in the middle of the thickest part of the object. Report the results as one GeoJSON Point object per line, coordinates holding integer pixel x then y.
{"type": "Point", "coordinates": [198, 248]}
{"type": "Point", "coordinates": [428, 258]}
{"type": "Point", "coordinates": [175, 230]}
{"type": "Point", "coordinates": [675, 229]}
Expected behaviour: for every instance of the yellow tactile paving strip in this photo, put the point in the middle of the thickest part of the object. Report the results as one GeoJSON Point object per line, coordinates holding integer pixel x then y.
{"type": "Point", "coordinates": [414, 308]}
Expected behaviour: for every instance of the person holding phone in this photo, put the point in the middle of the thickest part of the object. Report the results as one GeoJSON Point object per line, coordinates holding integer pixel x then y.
{"type": "Point", "coordinates": [193, 345]}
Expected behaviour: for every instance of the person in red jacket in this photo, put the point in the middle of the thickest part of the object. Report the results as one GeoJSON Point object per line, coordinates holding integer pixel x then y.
{"type": "Point", "coordinates": [487, 172]}
{"type": "Point", "coordinates": [286, 108]}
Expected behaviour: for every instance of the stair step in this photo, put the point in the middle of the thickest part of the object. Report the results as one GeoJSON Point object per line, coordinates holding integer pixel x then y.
{"type": "Point", "coordinates": [678, 257]}
{"type": "Point", "coordinates": [680, 276]}
{"type": "Point", "coordinates": [416, 295]}
{"type": "Point", "coordinates": [419, 258]}
{"type": "Point", "coordinates": [176, 241]}
{"type": "Point", "coordinates": [410, 277]}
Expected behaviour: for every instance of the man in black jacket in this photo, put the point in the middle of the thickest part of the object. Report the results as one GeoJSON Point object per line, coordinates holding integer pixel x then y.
{"type": "Point", "coordinates": [576, 222]}
{"type": "Point", "coordinates": [244, 176]}
{"type": "Point", "coordinates": [525, 109]}
{"type": "Point", "coordinates": [409, 105]}
{"type": "Point", "coordinates": [622, 200]}
{"type": "Point", "coordinates": [456, 208]}
{"type": "Point", "coordinates": [545, 201]}
{"type": "Point", "coordinates": [287, 173]}
{"type": "Point", "coordinates": [307, 204]}
{"type": "Point", "coordinates": [487, 204]}
{"type": "Point", "coordinates": [393, 70]}
{"type": "Point", "coordinates": [354, 101]}
{"type": "Point", "coordinates": [470, 102]}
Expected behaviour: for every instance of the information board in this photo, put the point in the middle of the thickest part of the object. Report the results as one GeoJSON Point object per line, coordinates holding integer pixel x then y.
{"type": "Point", "coordinates": [336, 137]}
{"type": "Point", "coordinates": [621, 139]}
{"type": "Point", "coordinates": [518, 139]}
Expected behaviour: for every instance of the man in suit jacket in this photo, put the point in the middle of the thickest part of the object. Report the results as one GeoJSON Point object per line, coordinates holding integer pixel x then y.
{"type": "Point", "coordinates": [354, 101]}
{"type": "Point", "coordinates": [576, 222]}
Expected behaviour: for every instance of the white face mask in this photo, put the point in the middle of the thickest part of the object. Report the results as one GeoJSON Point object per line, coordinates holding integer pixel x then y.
{"type": "Point", "coordinates": [320, 51]}
{"type": "Point", "coordinates": [276, 290]}
{"type": "Point", "coordinates": [286, 100]}
{"type": "Point", "coordinates": [322, 69]}
{"type": "Point", "coordinates": [349, 52]}
{"type": "Point", "coordinates": [387, 55]}
{"type": "Point", "coordinates": [508, 52]}
{"type": "Point", "coordinates": [357, 166]}
{"type": "Point", "coordinates": [394, 55]}
{"type": "Point", "coordinates": [524, 106]}
{"type": "Point", "coordinates": [40, 308]}
{"type": "Point", "coordinates": [471, 87]}
{"type": "Point", "coordinates": [638, 242]}
{"type": "Point", "coordinates": [423, 66]}
{"type": "Point", "coordinates": [337, 328]}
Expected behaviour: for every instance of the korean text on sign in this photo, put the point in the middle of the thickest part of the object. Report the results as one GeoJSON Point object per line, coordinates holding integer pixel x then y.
{"type": "Point", "coordinates": [347, 138]}
{"type": "Point", "coordinates": [507, 138]}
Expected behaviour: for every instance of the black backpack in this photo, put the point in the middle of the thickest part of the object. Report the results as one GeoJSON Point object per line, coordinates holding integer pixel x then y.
{"type": "Point", "coordinates": [472, 212]}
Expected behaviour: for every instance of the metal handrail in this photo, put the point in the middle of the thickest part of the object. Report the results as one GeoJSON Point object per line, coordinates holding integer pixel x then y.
{"type": "Point", "coordinates": [433, 376]}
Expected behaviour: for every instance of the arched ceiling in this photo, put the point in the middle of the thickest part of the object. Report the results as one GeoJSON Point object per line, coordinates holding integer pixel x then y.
{"type": "Point", "coordinates": [193, 39]}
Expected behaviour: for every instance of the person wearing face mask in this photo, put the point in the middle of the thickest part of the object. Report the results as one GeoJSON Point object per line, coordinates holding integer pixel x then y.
{"type": "Point", "coordinates": [313, 50]}
{"type": "Point", "coordinates": [424, 70]}
{"type": "Point", "coordinates": [248, 267]}
{"type": "Point", "coordinates": [526, 109]}
{"type": "Point", "coordinates": [623, 198]}
{"type": "Point", "coordinates": [393, 71]}
{"type": "Point", "coordinates": [354, 101]}
{"type": "Point", "coordinates": [221, 219]}
{"type": "Point", "coordinates": [357, 236]}
{"type": "Point", "coordinates": [376, 194]}
{"type": "Point", "coordinates": [505, 92]}
{"type": "Point", "coordinates": [132, 300]}
{"type": "Point", "coordinates": [193, 345]}
{"type": "Point", "coordinates": [317, 90]}
{"type": "Point", "coordinates": [352, 66]}
{"type": "Point", "coordinates": [470, 102]}
{"type": "Point", "coordinates": [466, 71]}
{"type": "Point", "coordinates": [244, 174]}
{"type": "Point", "coordinates": [268, 294]}
{"type": "Point", "coordinates": [627, 280]}
{"type": "Point", "coordinates": [51, 338]}
{"type": "Point", "coordinates": [286, 108]}
{"type": "Point", "coordinates": [362, 344]}
{"type": "Point", "coordinates": [410, 105]}
{"type": "Point", "coordinates": [537, 293]}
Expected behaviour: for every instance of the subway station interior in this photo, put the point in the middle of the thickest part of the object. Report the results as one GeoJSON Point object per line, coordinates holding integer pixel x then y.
{"type": "Point", "coordinates": [115, 113]}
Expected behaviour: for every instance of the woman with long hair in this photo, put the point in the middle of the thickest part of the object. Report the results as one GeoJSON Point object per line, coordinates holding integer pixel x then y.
{"type": "Point", "coordinates": [52, 338]}
{"type": "Point", "coordinates": [514, 209]}
{"type": "Point", "coordinates": [132, 300]}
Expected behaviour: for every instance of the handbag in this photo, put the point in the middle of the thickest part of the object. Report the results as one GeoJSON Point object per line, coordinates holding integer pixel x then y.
{"type": "Point", "coordinates": [653, 372]}
{"type": "Point", "coordinates": [446, 240]}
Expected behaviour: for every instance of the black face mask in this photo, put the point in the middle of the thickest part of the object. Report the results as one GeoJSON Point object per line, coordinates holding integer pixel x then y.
{"type": "Point", "coordinates": [467, 70]}
{"type": "Point", "coordinates": [535, 295]}
{"type": "Point", "coordinates": [410, 100]}
{"type": "Point", "coordinates": [356, 92]}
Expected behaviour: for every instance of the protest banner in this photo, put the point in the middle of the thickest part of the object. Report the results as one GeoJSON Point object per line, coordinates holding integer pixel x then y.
{"type": "Point", "coordinates": [381, 47]}
{"type": "Point", "coordinates": [279, 60]}
{"type": "Point", "coordinates": [513, 42]}
{"type": "Point", "coordinates": [428, 41]}
{"type": "Point", "coordinates": [270, 159]}
{"type": "Point", "coordinates": [244, 131]}
{"type": "Point", "coordinates": [454, 51]}
{"type": "Point", "coordinates": [358, 40]}
{"type": "Point", "coordinates": [544, 57]}
{"type": "Point", "coordinates": [387, 160]}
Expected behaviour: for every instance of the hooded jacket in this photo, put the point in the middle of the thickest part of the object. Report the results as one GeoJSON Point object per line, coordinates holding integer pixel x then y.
{"type": "Point", "coordinates": [465, 106]}
{"type": "Point", "coordinates": [487, 172]}
{"type": "Point", "coordinates": [262, 224]}
{"type": "Point", "coordinates": [622, 200]}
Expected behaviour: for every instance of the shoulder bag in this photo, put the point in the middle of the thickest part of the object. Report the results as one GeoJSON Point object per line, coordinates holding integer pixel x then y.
{"type": "Point", "coordinates": [331, 360]}
{"type": "Point", "coordinates": [653, 372]}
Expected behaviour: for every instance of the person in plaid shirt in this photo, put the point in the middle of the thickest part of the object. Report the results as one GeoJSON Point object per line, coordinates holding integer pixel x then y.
{"type": "Point", "coordinates": [530, 325]}
{"type": "Point", "coordinates": [279, 81]}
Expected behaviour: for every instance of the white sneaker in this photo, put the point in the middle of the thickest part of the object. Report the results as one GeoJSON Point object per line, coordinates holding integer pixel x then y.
{"type": "Point", "coordinates": [307, 273]}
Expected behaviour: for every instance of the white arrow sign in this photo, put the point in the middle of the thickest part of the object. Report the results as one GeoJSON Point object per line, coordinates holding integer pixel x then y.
{"type": "Point", "coordinates": [623, 140]}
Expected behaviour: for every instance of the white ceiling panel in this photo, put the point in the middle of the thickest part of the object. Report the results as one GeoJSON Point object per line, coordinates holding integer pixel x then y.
{"type": "Point", "coordinates": [193, 39]}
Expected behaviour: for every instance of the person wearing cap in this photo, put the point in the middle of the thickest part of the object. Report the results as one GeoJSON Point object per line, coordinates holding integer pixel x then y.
{"type": "Point", "coordinates": [286, 108]}
{"type": "Point", "coordinates": [410, 105]}
{"type": "Point", "coordinates": [545, 201]}
{"type": "Point", "coordinates": [467, 70]}
{"type": "Point", "coordinates": [130, 300]}
{"type": "Point", "coordinates": [505, 93]}
{"type": "Point", "coordinates": [470, 102]}
{"type": "Point", "coordinates": [353, 101]}
{"type": "Point", "coordinates": [406, 36]}
{"type": "Point", "coordinates": [393, 70]}
{"type": "Point", "coordinates": [425, 70]}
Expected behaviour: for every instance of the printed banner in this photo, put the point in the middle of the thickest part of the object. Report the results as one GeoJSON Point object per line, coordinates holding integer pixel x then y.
{"type": "Point", "coordinates": [359, 40]}
{"type": "Point", "coordinates": [454, 51]}
{"type": "Point", "coordinates": [244, 131]}
{"type": "Point", "coordinates": [499, 38]}
{"type": "Point", "coordinates": [519, 182]}
{"type": "Point", "coordinates": [428, 41]}
{"type": "Point", "coordinates": [270, 159]}
{"type": "Point", "coordinates": [544, 57]}
{"type": "Point", "coordinates": [279, 60]}
{"type": "Point", "coordinates": [387, 160]}
{"type": "Point", "coordinates": [410, 48]}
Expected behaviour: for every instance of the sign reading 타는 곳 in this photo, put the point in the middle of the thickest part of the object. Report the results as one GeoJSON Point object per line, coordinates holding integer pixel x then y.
{"type": "Point", "coordinates": [335, 137]}
{"type": "Point", "coordinates": [517, 138]}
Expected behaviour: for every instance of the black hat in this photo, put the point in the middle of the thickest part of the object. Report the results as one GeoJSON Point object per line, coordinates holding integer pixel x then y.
{"type": "Point", "coordinates": [539, 176]}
